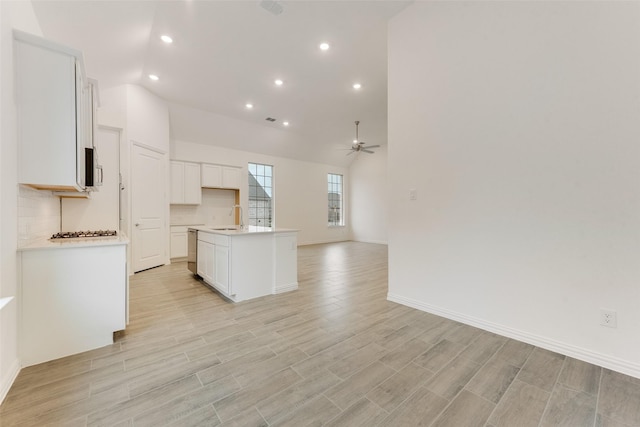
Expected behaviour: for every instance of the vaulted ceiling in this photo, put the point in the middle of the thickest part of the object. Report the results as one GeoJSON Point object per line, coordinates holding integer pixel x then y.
{"type": "Point", "coordinates": [226, 54]}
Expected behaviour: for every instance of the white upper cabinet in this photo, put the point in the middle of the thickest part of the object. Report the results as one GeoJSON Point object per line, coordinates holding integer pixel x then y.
{"type": "Point", "coordinates": [218, 176]}
{"type": "Point", "coordinates": [231, 177]}
{"type": "Point", "coordinates": [185, 183]}
{"type": "Point", "coordinates": [211, 175]}
{"type": "Point", "coordinates": [54, 108]}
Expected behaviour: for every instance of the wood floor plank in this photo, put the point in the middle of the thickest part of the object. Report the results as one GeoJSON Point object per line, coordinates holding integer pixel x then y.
{"type": "Point", "coordinates": [315, 412]}
{"type": "Point", "coordinates": [363, 413]}
{"type": "Point", "coordinates": [357, 385]}
{"type": "Point", "coordinates": [187, 404]}
{"type": "Point", "coordinates": [391, 393]}
{"type": "Point", "coordinates": [139, 404]}
{"type": "Point", "coordinates": [570, 408]}
{"type": "Point", "coordinates": [515, 352]}
{"type": "Point", "coordinates": [402, 355]}
{"type": "Point", "coordinates": [250, 418]}
{"type": "Point", "coordinates": [522, 405]}
{"type": "Point", "coordinates": [292, 398]}
{"type": "Point", "coordinates": [346, 366]}
{"type": "Point", "coordinates": [467, 410]}
{"type": "Point", "coordinates": [580, 376]}
{"type": "Point", "coordinates": [254, 394]}
{"type": "Point", "coordinates": [542, 369]}
{"type": "Point", "coordinates": [620, 398]}
{"type": "Point", "coordinates": [493, 379]}
{"type": "Point", "coordinates": [483, 347]}
{"type": "Point", "coordinates": [453, 377]}
{"type": "Point", "coordinates": [420, 409]}
{"type": "Point", "coordinates": [439, 355]}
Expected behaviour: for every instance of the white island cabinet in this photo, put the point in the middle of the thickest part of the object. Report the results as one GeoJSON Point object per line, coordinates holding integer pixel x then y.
{"type": "Point", "coordinates": [246, 264]}
{"type": "Point", "coordinates": [73, 296]}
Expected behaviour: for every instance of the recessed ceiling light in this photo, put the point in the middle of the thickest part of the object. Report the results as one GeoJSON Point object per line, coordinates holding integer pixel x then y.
{"type": "Point", "coordinates": [278, 82]}
{"type": "Point", "coordinates": [324, 46]}
{"type": "Point", "coordinates": [166, 39]}
{"type": "Point", "coordinates": [154, 77]}
{"type": "Point", "coordinates": [249, 105]}
{"type": "Point", "coordinates": [357, 85]}
{"type": "Point", "coordinates": [285, 123]}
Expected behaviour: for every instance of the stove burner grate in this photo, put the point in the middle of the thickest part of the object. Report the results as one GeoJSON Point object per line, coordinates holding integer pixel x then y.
{"type": "Point", "coordinates": [88, 233]}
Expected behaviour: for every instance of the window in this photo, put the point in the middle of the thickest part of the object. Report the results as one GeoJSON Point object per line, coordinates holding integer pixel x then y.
{"type": "Point", "coordinates": [336, 216]}
{"type": "Point", "coordinates": [260, 195]}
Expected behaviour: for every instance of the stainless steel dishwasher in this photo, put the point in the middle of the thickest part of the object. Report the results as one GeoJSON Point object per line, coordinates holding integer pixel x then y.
{"type": "Point", "coordinates": [192, 252]}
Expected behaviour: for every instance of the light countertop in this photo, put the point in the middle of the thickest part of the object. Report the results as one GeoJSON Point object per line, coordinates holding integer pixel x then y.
{"type": "Point", "coordinates": [80, 242]}
{"type": "Point", "coordinates": [251, 229]}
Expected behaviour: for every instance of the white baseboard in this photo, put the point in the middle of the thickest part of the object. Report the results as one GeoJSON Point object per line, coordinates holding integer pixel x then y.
{"type": "Point", "coordinates": [286, 288]}
{"type": "Point", "coordinates": [615, 364]}
{"type": "Point", "coordinates": [6, 383]}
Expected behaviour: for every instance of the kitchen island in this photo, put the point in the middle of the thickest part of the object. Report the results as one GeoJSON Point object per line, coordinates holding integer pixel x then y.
{"type": "Point", "coordinates": [247, 263]}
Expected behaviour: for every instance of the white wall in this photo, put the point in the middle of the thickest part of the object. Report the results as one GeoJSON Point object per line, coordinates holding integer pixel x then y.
{"type": "Point", "coordinates": [369, 194]}
{"type": "Point", "coordinates": [144, 119]}
{"type": "Point", "coordinates": [517, 123]}
{"type": "Point", "coordinates": [17, 15]}
{"type": "Point", "coordinates": [147, 118]}
{"type": "Point", "coordinates": [300, 188]}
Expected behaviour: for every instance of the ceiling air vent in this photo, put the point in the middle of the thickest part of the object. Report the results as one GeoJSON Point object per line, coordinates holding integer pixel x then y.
{"type": "Point", "coordinates": [270, 119]}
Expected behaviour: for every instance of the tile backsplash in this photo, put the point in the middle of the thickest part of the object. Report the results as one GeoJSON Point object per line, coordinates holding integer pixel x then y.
{"type": "Point", "coordinates": [38, 215]}
{"type": "Point", "coordinates": [214, 209]}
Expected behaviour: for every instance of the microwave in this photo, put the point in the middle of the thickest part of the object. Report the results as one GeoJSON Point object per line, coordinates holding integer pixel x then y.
{"type": "Point", "coordinates": [93, 171]}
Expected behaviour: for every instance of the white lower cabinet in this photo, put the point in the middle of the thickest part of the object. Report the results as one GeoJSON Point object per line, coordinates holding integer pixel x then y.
{"type": "Point", "coordinates": [286, 262]}
{"type": "Point", "coordinates": [221, 273]}
{"type": "Point", "coordinates": [179, 244]}
{"type": "Point", "coordinates": [206, 260]}
{"type": "Point", "coordinates": [72, 299]}
{"type": "Point", "coordinates": [179, 235]}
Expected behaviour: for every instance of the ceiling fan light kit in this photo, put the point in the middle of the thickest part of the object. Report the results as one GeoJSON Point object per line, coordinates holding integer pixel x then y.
{"type": "Point", "coordinates": [360, 146]}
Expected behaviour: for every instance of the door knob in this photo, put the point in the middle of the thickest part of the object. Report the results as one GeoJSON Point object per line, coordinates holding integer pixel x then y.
{"type": "Point", "coordinates": [137, 224]}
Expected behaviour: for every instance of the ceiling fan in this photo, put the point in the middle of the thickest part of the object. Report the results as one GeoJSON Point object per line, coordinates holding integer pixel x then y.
{"type": "Point", "coordinates": [358, 145]}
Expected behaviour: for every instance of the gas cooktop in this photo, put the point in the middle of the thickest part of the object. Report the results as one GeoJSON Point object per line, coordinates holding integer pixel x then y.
{"type": "Point", "coordinates": [88, 233]}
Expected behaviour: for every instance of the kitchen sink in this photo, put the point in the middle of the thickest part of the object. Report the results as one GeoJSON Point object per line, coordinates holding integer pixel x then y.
{"type": "Point", "coordinates": [224, 229]}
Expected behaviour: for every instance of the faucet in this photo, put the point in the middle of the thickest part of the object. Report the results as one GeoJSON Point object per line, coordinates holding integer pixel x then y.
{"type": "Point", "coordinates": [241, 219]}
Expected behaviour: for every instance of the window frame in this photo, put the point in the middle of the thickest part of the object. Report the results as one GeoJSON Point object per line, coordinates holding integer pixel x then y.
{"type": "Point", "coordinates": [331, 181]}
{"type": "Point", "coordinates": [271, 187]}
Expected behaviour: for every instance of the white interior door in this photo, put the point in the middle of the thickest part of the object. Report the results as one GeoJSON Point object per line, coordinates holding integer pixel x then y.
{"type": "Point", "coordinates": [148, 208]}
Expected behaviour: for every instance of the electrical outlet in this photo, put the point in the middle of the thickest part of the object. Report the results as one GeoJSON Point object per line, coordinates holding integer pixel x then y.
{"type": "Point", "coordinates": [608, 318]}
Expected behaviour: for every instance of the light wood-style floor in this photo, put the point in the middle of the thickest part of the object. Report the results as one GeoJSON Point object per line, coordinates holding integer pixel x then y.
{"type": "Point", "coordinates": [334, 352]}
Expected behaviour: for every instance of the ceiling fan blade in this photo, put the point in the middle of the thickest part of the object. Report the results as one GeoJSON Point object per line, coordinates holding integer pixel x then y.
{"type": "Point", "coordinates": [371, 146]}
{"type": "Point", "coordinates": [350, 152]}
{"type": "Point", "coordinates": [367, 151]}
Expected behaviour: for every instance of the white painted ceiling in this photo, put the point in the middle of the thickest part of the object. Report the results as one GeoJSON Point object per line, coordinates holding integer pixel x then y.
{"type": "Point", "coordinates": [228, 53]}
